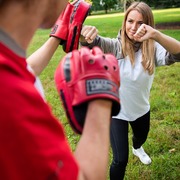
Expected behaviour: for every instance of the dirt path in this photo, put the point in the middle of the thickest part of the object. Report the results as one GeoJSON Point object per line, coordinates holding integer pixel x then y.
{"type": "Point", "coordinates": [173, 25]}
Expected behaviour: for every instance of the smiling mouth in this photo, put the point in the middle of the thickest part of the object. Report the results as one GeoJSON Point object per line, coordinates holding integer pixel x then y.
{"type": "Point", "coordinates": [132, 33]}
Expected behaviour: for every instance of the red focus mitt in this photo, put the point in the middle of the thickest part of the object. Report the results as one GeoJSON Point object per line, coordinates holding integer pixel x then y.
{"type": "Point", "coordinates": [61, 28]}
{"type": "Point", "coordinates": [83, 76]}
{"type": "Point", "coordinates": [69, 24]}
{"type": "Point", "coordinates": [78, 16]}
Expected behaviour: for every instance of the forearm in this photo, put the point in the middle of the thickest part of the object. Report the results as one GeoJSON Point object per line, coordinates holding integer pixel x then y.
{"type": "Point", "coordinates": [40, 58]}
{"type": "Point", "coordinates": [169, 43]}
{"type": "Point", "coordinates": [93, 147]}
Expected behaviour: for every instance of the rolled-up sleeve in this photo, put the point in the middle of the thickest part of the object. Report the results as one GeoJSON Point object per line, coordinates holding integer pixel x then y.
{"type": "Point", "coordinates": [163, 57]}
{"type": "Point", "coordinates": [107, 45]}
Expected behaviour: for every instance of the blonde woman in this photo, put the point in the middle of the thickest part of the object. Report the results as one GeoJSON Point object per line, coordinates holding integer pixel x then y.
{"type": "Point", "coordinates": [139, 48]}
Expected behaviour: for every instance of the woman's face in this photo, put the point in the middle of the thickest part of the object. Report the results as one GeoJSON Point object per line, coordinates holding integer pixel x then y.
{"type": "Point", "coordinates": [133, 22]}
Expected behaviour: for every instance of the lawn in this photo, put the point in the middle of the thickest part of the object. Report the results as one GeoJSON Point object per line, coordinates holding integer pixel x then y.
{"type": "Point", "coordinates": [163, 143]}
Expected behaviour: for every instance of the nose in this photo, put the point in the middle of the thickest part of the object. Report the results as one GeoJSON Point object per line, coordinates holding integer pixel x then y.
{"type": "Point", "coordinates": [134, 26]}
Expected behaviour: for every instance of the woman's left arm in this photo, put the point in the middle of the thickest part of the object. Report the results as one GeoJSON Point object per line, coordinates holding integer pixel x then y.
{"type": "Point", "coordinates": [147, 32]}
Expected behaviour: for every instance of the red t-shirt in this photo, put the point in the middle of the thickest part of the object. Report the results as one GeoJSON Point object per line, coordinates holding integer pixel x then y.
{"type": "Point", "coordinates": [32, 141]}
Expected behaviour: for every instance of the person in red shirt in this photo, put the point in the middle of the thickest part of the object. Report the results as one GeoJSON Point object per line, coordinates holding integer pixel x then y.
{"type": "Point", "coordinates": [32, 141]}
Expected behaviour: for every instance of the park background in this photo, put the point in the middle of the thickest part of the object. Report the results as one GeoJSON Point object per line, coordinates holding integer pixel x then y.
{"type": "Point", "coordinates": [163, 143]}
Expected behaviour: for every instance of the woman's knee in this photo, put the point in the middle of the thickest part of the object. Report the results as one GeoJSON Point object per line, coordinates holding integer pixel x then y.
{"type": "Point", "coordinates": [120, 164]}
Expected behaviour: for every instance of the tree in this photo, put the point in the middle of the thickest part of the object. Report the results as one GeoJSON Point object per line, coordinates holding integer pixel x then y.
{"type": "Point", "coordinates": [96, 5]}
{"type": "Point", "coordinates": [163, 3]}
{"type": "Point", "coordinates": [126, 3]}
{"type": "Point", "coordinates": [108, 4]}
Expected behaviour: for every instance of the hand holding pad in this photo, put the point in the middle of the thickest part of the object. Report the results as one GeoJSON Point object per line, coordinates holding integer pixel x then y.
{"type": "Point", "coordinates": [83, 76]}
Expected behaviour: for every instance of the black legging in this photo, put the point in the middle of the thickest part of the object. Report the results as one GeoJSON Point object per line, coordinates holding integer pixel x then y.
{"type": "Point", "coordinates": [120, 145]}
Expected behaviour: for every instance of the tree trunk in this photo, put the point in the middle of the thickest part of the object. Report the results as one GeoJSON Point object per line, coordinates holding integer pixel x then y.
{"type": "Point", "coordinates": [125, 1]}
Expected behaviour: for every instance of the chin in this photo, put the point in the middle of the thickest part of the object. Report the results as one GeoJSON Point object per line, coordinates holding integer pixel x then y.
{"type": "Point", "coordinates": [131, 37]}
{"type": "Point", "coordinates": [47, 24]}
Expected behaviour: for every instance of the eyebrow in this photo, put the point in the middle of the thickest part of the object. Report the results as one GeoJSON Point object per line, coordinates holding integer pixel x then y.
{"type": "Point", "coordinates": [133, 20]}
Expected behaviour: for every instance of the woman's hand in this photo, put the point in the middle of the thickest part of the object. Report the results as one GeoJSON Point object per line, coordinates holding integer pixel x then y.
{"type": "Point", "coordinates": [147, 32]}
{"type": "Point", "coordinates": [144, 32]}
{"type": "Point", "coordinates": [88, 34]}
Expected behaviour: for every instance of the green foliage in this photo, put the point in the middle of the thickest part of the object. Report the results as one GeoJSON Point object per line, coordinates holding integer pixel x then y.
{"type": "Point", "coordinates": [123, 4]}
{"type": "Point", "coordinates": [163, 3]}
{"type": "Point", "coordinates": [104, 5]}
{"type": "Point", "coordinates": [163, 142]}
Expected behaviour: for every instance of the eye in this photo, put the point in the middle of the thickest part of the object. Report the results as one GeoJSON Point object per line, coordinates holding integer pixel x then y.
{"type": "Point", "coordinates": [130, 21]}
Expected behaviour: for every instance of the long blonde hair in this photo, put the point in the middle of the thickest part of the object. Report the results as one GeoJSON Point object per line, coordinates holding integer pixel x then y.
{"type": "Point", "coordinates": [147, 47]}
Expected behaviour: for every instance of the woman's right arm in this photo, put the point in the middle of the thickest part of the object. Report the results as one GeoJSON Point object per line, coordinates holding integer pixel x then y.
{"type": "Point", "coordinates": [90, 38]}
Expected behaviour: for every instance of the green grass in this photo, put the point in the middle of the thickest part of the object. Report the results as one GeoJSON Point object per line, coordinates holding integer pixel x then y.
{"type": "Point", "coordinates": [109, 24]}
{"type": "Point", "coordinates": [163, 142]}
